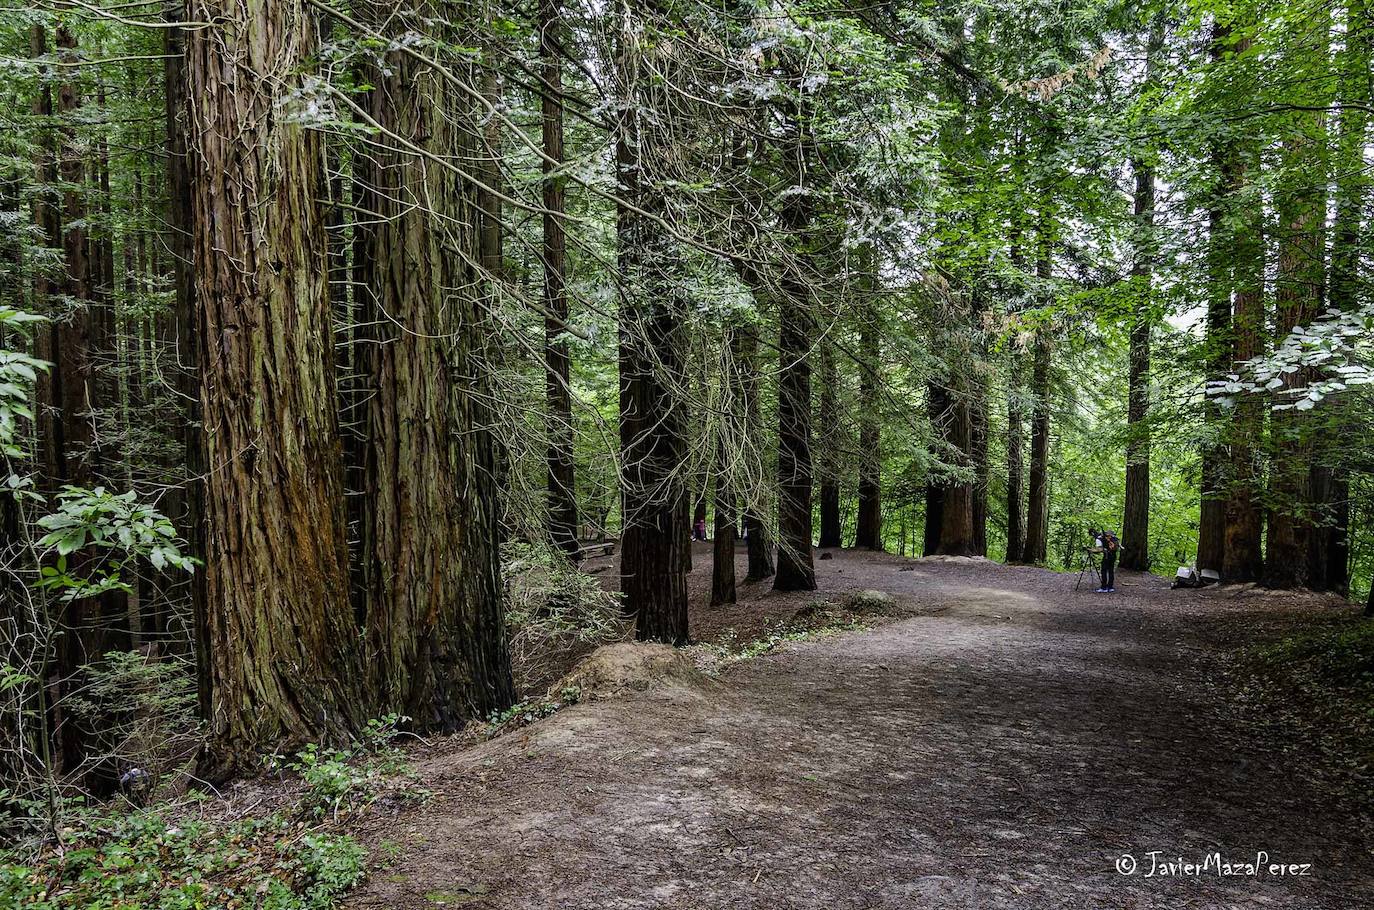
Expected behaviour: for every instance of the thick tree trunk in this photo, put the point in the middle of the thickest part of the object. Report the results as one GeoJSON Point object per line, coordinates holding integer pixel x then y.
{"type": "Point", "coordinates": [1135, 524]}
{"type": "Point", "coordinates": [1301, 207]}
{"type": "Point", "coordinates": [956, 511]}
{"type": "Point", "coordinates": [1016, 440]}
{"type": "Point", "coordinates": [829, 418]}
{"type": "Point", "coordinates": [654, 548]}
{"type": "Point", "coordinates": [1330, 474]}
{"type": "Point", "coordinates": [868, 530]}
{"type": "Point", "coordinates": [285, 664]}
{"type": "Point", "coordinates": [562, 498]}
{"type": "Point", "coordinates": [433, 573]}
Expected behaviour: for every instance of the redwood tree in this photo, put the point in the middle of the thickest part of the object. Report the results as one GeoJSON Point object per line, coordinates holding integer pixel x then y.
{"type": "Point", "coordinates": [434, 602]}
{"type": "Point", "coordinates": [1135, 524]}
{"type": "Point", "coordinates": [562, 500]}
{"type": "Point", "coordinates": [285, 663]}
{"type": "Point", "coordinates": [654, 547]}
{"type": "Point", "coordinates": [868, 526]}
{"type": "Point", "coordinates": [1016, 440]}
{"type": "Point", "coordinates": [829, 419]}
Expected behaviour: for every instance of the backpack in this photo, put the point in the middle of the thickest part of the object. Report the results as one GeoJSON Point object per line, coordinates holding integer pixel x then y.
{"type": "Point", "coordinates": [1110, 542]}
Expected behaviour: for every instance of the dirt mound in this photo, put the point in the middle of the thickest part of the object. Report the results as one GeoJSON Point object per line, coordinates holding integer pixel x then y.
{"type": "Point", "coordinates": [633, 667]}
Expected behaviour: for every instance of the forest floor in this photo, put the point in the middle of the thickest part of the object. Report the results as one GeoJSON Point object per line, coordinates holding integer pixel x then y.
{"type": "Point", "coordinates": [1000, 740]}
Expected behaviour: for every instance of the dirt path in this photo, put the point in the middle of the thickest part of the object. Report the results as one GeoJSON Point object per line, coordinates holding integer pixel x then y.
{"type": "Point", "coordinates": [1003, 747]}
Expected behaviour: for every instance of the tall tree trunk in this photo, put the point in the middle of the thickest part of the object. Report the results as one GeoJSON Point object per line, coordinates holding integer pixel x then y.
{"type": "Point", "coordinates": [654, 547]}
{"type": "Point", "coordinates": [729, 439]}
{"type": "Point", "coordinates": [829, 418]}
{"type": "Point", "coordinates": [285, 664]}
{"type": "Point", "coordinates": [72, 409]}
{"type": "Point", "coordinates": [486, 156]}
{"type": "Point", "coordinates": [433, 572]}
{"type": "Point", "coordinates": [1037, 508]}
{"type": "Point", "coordinates": [1211, 543]}
{"type": "Point", "coordinates": [562, 499]}
{"type": "Point", "coordinates": [978, 445]}
{"type": "Point", "coordinates": [868, 530]}
{"type": "Point", "coordinates": [1016, 439]}
{"type": "Point", "coordinates": [796, 335]}
{"type": "Point", "coordinates": [1298, 293]}
{"type": "Point", "coordinates": [1243, 559]}
{"type": "Point", "coordinates": [359, 319]}
{"type": "Point", "coordinates": [1135, 524]}
{"type": "Point", "coordinates": [956, 509]}
{"type": "Point", "coordinates": [759, 543]}
{"type": "Point", "coordinates": [938, 413]}
{"type": "Point", "coordinates": [1331, 541]}
{"type": "Point", "coordinates": [796, 571]}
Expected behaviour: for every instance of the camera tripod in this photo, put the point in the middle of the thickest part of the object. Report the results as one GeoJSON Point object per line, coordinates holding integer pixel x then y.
{"type": "Point", "coordinates": [1087, 562]}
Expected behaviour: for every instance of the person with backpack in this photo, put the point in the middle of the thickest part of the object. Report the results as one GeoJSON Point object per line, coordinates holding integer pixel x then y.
{"type": "Point", "coordinates": [1109, 546]}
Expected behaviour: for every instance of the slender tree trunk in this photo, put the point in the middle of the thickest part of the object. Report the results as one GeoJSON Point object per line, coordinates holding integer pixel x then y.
{"type": "Point", "coordinates": [938, 413]}
{"type": "Point", "coordinates": [829, 418]}
{"type": "Point", "coordinates": [979, 455]}
{"type": "Point", "coordinates": [759, 542]}
{"type": "Point", "coordinates": [1211, 544]}
{"type": "Point", "coordinates": [1242, 559]}
{"type": "Point", "coordinates": [1016, 437]}
{"type": "Point", "coordinates": [72, 410]}
{"type": "Point", "coordinates": [562, 499]}
{"type": "Point", "coordinates": [1135, 525]}
{"type": "Point", "coordinates": [796, 571]}
{"type": "Point", "coordinates": [728, 441]}
{"type": "Point", "coordinates": [285, 665]}
{"type": "Point", "coordinates": [868, 531]}
{"type": "Point", "coordinates": [1037, 510]}
{"type": "Point", "coordinates": [435, 617]}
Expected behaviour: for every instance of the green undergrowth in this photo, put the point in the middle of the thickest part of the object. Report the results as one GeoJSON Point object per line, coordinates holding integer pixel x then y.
{"type": "Point", "coordinates": [200, 853]}
{"type": "Point", "coordinates": [1319, 684]}
{"type": "Point", "coordinates": [528, 710]}
{"type": "Point", "coordinates": [143, 860]}
{"type": "Point", "coordinates": [818, 620]}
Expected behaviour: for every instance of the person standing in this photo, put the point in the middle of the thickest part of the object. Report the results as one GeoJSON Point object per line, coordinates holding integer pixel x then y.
{"type": "Point", "coordinates": [1110, 548]}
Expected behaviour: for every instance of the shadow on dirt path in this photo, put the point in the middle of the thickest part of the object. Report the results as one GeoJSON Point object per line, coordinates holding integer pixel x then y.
{"type": "Point", "coordinates": [1006, 747]}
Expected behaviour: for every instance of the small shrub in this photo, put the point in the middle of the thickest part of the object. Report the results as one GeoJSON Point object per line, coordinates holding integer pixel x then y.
{"type": "Point", "coordinates": [553, 609]}
{"type": "Point", "coordinates": [346, 781]}
{"type": "Point", "coordinates": [713, 657]}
